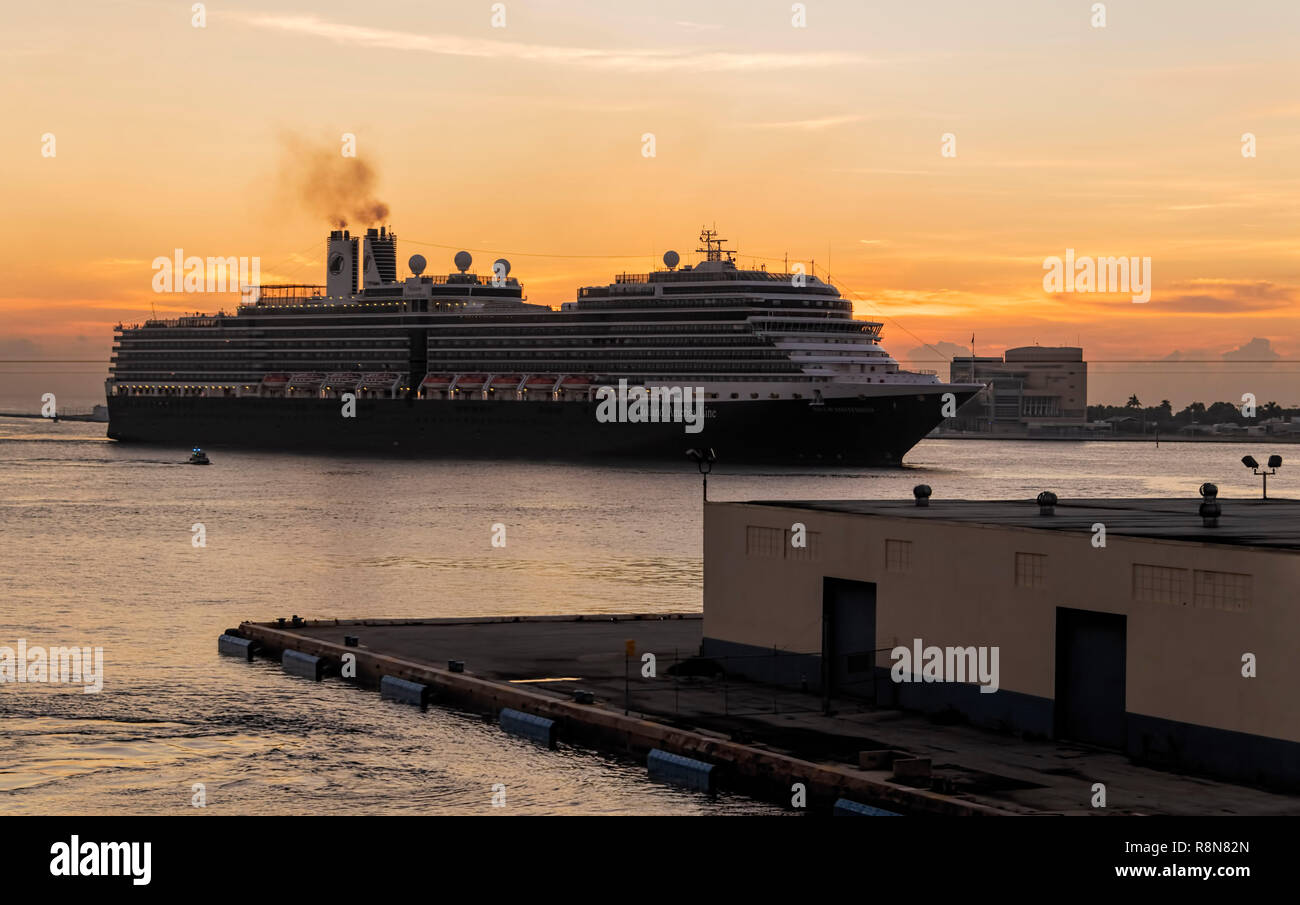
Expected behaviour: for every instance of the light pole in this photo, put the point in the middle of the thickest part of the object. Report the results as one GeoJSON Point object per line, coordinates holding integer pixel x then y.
{"type": "Point", "coordinates": [704, 459]}
{"type": "Point", "coordinates": [1274, 463]}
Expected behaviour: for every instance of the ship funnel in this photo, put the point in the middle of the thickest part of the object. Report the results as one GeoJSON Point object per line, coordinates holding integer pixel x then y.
{"type": "Point", "coordinates": [341, 269]}
{"type": "Point", "coordinates": [380, 257]}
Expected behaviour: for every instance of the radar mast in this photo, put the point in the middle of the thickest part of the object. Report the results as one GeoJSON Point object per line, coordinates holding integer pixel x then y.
{"type": "Point", "coordinates": [713, 249]}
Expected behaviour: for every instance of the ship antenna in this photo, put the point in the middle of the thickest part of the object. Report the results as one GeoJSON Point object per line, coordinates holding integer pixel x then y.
{"type": "Point", "coordinates": [713, 249]}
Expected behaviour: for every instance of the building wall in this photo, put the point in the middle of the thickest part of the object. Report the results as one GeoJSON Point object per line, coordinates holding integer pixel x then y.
{"type": "Point", "coordinates": [1183, 657]}
{"type": "Point", "coordinates": [1032, 387]}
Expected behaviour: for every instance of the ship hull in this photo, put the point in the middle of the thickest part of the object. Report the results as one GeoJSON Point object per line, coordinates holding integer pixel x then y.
{"type": "Point", "coordinates": [875, 431]}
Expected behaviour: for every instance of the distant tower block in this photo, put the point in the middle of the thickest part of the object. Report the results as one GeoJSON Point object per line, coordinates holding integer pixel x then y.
{"type": "Point", "coordinates": [341, 270]}
{"type": "Point", "coordinates": [381, 257]}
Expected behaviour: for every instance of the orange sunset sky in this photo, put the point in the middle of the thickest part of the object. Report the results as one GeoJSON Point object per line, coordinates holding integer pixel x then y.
{"type": "Point", "coordinates": [823, 142]}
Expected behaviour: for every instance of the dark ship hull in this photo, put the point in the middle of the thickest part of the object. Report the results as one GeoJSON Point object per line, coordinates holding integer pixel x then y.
{"type": "Point", "coordinates": [872, 431]}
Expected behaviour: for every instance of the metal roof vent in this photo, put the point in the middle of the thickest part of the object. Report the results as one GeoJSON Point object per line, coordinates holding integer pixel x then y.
{"type": "Point", "coordinates": [922, 493]}
{"type": "Point", "coordinates": [1210, 509]}
{"type": "Point", "coordinates": [1047, 503]}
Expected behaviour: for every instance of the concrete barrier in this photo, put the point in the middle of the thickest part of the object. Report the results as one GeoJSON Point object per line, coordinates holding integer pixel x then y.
{"type": "Point", "coordinates": [235, 647]}
{"type": "Point", "coordinates": [846, 808]}
{"type": "Point", "coordinates": [405, 692]}
{"type": "Point", "coordinates": [608, 729]}
{"type": "Point", "coordinates": [912, 769]}
{"type": "Point", "coordinates": [880, 759]}
{"type": "Point", "coordinates": [300, 664]}
{"type": "Point", "coordinates": [537, 728]}
{"type": "Point", "coordinates": [680, 771]}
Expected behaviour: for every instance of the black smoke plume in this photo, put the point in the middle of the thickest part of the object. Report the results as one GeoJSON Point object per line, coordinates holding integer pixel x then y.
{"type": "Point", "coordinates": [339, 189]}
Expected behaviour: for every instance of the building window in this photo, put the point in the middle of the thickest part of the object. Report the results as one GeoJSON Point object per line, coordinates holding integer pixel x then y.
{"type": "Point", "coordinates": [811, 550]}
{"type": "Point", "coordinates": [764, 543]}
{"type": "Point", "coordinates": [1031, 570]}
{"type": "Point", "coordinates": [1160, 584]}
{"type": "Point", "coordinates": [898, 556]}
{"type": "Point", "coordinates": [775, 543]}
{"type": "Point", "coordinates": [1221, 590]}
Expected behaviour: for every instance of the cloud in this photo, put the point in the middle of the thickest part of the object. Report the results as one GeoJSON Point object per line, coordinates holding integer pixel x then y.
{"type": "Point", "coordinates": [482, 48]}
{"type": "Point", "coordinates": [1190, 355]}
{"type": "Point", "coordinates": [1258, 349]}
{"type": "Point", "coordinates": [20, 347]}
{"type": "Point", "coordinates": [877, 171]}
{"type": "Point", "coordinates": [1214, 296]}
{"type": "Point", "coordinates": [940, 351]}
{"type": "Point", "coordinates": [809, 125]}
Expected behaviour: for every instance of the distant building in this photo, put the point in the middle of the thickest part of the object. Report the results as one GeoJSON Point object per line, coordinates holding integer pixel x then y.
{"type": "Point", "coordinates": [1037, 388]}
{"type": "Point", "coordinates": [1146, 645]}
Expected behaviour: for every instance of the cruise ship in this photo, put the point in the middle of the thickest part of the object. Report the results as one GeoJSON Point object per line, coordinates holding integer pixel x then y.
{"type": "Point", "coordinates": [758, 366]}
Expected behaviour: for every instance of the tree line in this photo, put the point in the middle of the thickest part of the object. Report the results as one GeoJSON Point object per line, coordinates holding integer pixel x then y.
{"type": "Point", "coordinates": [1164, 416]}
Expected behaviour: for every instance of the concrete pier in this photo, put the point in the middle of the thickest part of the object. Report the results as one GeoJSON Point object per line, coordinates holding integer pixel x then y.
{"type": "Point", "coordinates": [761, 740]}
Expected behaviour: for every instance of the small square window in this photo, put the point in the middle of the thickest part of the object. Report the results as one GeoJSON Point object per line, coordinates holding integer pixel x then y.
{"type": "Point", "coordinates": [898, 556]}
{"type": "Point", "coordinates": [1031, 570]}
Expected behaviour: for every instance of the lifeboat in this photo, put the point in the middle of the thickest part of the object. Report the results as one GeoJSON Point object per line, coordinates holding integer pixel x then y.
{"type": "Point", "coordinates": [471, 382]}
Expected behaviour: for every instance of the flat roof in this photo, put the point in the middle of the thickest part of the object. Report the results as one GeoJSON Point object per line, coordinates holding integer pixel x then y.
{"type": "Point", "coordinates": [1273, 523]}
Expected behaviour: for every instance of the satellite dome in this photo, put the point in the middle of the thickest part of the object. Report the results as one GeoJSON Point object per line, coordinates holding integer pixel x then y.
{"type": "Point", "coordinates": [463, 260]}
{"type": "Point", "coordinates": [501, 267]}
{"type": "Point", "coordinates": [417, 264]}
{"type": "Point", "coordinates": [671, 258]}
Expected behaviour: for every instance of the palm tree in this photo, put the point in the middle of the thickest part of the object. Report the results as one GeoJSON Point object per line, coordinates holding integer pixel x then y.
{"type": "Point", "coordinates": [1133, 402]}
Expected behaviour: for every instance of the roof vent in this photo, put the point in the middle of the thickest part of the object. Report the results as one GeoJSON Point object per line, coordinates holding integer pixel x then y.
{"type": "Point", "coordinates": [922, 493]}
{"type": "Point", "coordinates": [1210, 509]}
{"type": "Point", "coordinates": [1047, 503]}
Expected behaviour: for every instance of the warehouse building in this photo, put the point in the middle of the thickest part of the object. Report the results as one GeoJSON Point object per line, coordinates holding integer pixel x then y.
{"type": "Point", "coordinates": [1137, 625]}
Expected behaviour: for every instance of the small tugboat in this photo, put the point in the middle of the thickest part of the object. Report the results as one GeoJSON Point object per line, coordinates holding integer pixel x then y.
{"type": "Point", "coordinates": [198, 457]}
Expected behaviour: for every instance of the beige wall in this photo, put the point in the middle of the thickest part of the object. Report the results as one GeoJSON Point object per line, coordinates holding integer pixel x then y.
{"type": "Point", "coordinates": [1183, 662]}
{"type": "Point", "coordinates": [1056, 379]}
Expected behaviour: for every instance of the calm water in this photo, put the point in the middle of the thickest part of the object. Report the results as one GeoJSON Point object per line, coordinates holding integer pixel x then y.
{"type": "Point", "coordinates": [95, 549]}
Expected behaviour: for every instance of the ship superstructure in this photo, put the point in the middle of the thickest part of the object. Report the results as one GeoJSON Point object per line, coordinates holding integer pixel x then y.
{"type": "Point", "coordinates": [435, 363]}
